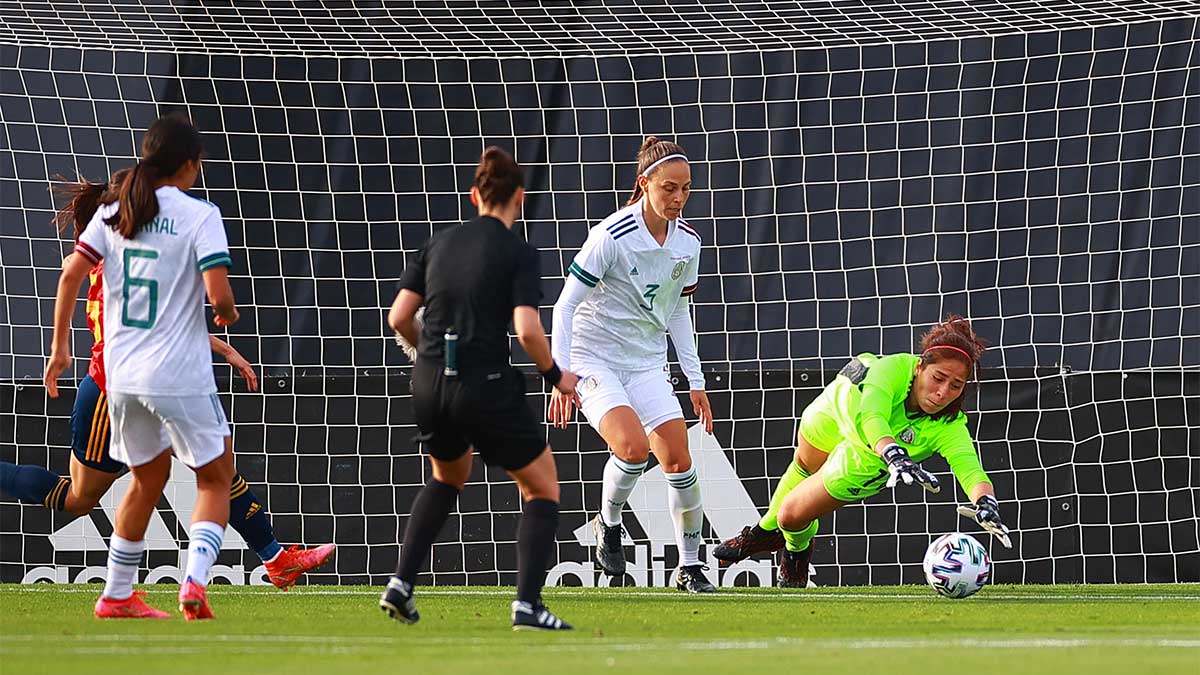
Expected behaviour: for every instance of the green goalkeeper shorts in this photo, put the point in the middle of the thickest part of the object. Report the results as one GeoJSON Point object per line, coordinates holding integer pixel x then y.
{"type": "Point", "coordinates": [819, 422]}
{"type": "Point", "coordinates": [852, 472]}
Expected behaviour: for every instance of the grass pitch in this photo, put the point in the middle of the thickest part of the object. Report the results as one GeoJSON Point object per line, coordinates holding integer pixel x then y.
{"type": "Point", "coordinates": [894, 630]}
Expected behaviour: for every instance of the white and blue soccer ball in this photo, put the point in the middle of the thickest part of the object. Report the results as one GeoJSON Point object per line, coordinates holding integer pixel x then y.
{"type": "Point", "coordinates": [957, 565]}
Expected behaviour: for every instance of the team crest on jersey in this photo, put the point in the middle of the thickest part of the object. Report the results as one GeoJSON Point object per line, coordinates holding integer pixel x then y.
{"type": "Point", "coordinates": [907, 436]}
{"type": "Point", "coordinates": [678, 271]}
{"type": "Point", "coordinates": [589, 384]}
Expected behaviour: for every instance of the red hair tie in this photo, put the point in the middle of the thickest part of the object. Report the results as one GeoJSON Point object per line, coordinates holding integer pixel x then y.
{"type": "Point", "coordinates": [969, 357]}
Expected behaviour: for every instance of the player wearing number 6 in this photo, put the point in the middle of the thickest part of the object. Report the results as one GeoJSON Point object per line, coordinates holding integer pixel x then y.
{"type": "Point", "coordinates": [163, 251]}
{"type": "Point", "coordinates": [866, 431]}
{"type": "Point", "coordinates": [93, 470]}
{"type": "Point", "coordinates": [626, 289]}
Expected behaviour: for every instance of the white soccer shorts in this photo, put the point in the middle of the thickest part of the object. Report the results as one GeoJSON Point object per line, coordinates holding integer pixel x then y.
{"type": "Point", "coordinates": [144, 426]}
{"type": "Point", "coordinates": [648, 392]}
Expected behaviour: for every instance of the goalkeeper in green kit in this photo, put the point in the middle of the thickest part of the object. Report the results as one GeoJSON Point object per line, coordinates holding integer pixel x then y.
{"type": "Point", "coordinates": [866, 431]}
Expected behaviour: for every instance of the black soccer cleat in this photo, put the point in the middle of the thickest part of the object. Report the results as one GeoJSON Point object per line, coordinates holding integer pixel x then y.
{"type": "Point", "coordinates": [749, 542]}
{"type": "Point", "coordinates": [793, 568]}
{"type": "Point", "coordinates": [527, 616]}
{"type": "Point", "coordinates": [397, 601]}
{"type": "Point", "coordinates": [691, 578]}
{"type": "Point", "coordinates": [610, 555]}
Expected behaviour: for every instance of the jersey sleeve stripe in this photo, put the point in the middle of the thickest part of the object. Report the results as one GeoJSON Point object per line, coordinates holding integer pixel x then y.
{"type": "Point", "coordinates": [624, 231]}
{"type": "Point", "coordinates": [688, 290]}
{"type": "Point", "coordinates": [583, 275]}
{"type": "Point", "coordinates": [621, 223]}
{"type": "Point", "coordinates": [689, 230]}
{"type": "Point", "coordinates": [216, 259]}
{"type": "Point", "coordinates": [88, 252]}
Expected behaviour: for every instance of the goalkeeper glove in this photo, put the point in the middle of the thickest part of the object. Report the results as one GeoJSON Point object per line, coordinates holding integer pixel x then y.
{"type": "Point", "coordinates": [902, 468]}
{"type": "Point", "coordinates": [986, 512]}
{"type": "Point", "coordinates": [411, 350]}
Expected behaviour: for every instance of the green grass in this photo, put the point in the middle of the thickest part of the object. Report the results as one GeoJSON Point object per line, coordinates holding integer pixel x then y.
{"type": "Point", "coordinates": [892, 630]}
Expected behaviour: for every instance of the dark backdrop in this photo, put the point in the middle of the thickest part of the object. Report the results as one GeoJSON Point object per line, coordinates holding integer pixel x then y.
{"type": "Point", "coordinates": [1043, 184]}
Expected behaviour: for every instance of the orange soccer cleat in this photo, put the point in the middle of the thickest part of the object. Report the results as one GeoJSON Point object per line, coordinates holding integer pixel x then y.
{"type": "Point", "coordinates": [132, 607]}
{"type": "Point", "coordinates": [287, 567]}
{"type": "Point", "coordinates": [193, 601]}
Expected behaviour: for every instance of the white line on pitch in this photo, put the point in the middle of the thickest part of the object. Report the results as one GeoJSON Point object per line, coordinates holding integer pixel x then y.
{"type": "Point", "coordinates": [599, 592]}
{"type": "Point", "coordinates": [90, 644]}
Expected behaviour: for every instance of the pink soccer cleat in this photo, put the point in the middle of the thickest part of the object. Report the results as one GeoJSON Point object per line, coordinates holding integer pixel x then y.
{"type": "Point", "coordinates": [193, 601]}
{"type": "Point", "coordinates": [287, 567]}
{"type": "Point", "coordinates": [132, 607]}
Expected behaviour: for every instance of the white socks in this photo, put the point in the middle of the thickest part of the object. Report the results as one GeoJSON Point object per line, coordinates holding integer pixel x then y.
{"type": "Point", "coordinates": [124, 556]}
{"type": "Point", "coordinates": [683, 496]}
{"type": "Point", "coordinates": [619, 478]}
{"type": "Point", "coordinates": [205, 544]}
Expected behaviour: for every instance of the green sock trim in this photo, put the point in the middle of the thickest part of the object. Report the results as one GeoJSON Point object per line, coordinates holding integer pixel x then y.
{"type": "Point", "coordinates": [794, 475]}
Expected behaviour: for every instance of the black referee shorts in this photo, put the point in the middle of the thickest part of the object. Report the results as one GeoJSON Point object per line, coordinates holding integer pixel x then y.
{"type": "Point", "coordinates": [485, 409]}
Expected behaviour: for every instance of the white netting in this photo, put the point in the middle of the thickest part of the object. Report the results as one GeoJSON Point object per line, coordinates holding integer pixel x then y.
{"type": "Point", "coordinates": [860, 171]}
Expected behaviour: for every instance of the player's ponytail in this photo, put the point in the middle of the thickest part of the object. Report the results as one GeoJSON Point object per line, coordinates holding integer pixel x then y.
{"type": "Point", "coordinates": [649, 156]}
{"type": "Point", "coordinates": [498, 176]}
{"type": "Point", "coordinates": [169, 143]}
{"type": "Point", "coordinates": [953, 339]}
{"type": "Point", "coordinates": [84, 198]}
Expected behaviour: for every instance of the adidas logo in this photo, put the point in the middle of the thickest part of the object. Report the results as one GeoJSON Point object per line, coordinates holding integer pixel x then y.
{"type": "Point", "coordinates": [254, 508]}
{"type": "Point", "coordinates": [81, 534]}
{"type": "Point", "coordinates": [633, 272]}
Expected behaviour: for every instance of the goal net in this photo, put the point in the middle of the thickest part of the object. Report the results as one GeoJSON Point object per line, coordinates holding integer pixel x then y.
{"type": "Point", "coordinates": [859, 172]}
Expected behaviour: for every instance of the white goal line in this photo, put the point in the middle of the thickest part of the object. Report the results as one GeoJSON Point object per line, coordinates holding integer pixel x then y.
{"type": "Point", "coordinates": [371, 591]}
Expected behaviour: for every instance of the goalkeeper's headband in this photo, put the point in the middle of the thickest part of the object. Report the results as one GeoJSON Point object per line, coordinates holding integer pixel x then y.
{"type": "Point", "coordinates": [969, 358]}
{"type": "Point", "coordinates": [668, 158]}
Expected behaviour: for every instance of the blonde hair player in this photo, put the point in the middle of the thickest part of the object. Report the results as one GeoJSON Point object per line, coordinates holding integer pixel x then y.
{"type": "Point", "coordinates": [629, 286]}
{"type": "Point", "coordinates": [165, 250]}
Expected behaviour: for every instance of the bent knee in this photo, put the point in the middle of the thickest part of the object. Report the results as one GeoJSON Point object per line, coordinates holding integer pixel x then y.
{"type": "Point", "coordinates": [792, 519]}
{"type": "Point", "coordinates": [632, 450]}
{"type": "Point", "coordinates": [677, 464]}
{"type": "Point", "coordinates": [546, 492]}
{"type": "Point", "coordinates": [82, 505]}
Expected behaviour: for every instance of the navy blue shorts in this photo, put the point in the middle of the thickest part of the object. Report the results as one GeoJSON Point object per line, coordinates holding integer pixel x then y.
{"type": "Point", "coordinates": [89, 428]}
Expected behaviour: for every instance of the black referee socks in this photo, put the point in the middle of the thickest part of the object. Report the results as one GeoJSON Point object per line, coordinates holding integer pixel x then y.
{"type": "Point", "coordinates": [535, 543]}
{"type": "Point", "coordinates": [429, 513]}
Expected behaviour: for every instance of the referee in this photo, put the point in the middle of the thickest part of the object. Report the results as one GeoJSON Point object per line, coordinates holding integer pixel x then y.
{"type": "Point", "coordinates": [472, 279]}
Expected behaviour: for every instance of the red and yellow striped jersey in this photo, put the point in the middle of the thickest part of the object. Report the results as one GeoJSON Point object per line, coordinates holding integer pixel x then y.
{"type": "Point", "coordinates": [95, 323]}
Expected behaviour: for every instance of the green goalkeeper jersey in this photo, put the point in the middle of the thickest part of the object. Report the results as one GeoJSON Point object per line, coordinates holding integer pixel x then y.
{"type": "Point", "coordinates": [874, 408]}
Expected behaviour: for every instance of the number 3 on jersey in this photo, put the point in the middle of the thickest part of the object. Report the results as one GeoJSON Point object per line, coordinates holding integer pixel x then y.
{"type": "Point", "coordinates": [132, 282]}
{"type": "Point", "coordinates": [651, 289]}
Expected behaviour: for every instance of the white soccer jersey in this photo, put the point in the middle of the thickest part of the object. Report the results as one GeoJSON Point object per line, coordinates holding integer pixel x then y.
{"type": "Point", "coordinates": [636, 284]}
{"type": "Point", "coordinates": [155, 339]}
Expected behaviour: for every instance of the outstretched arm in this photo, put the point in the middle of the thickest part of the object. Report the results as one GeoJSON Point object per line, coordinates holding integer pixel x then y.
{"type": "Point", "coordinates": [235, 359]}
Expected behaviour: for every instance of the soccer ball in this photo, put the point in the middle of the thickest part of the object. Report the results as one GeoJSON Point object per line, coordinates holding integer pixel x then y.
{"type": "Point", "coordinates": [956, 565]}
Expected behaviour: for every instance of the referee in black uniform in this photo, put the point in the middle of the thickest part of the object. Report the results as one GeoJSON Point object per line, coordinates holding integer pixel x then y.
{"type": "Point", "coordinates": [472, 279]}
